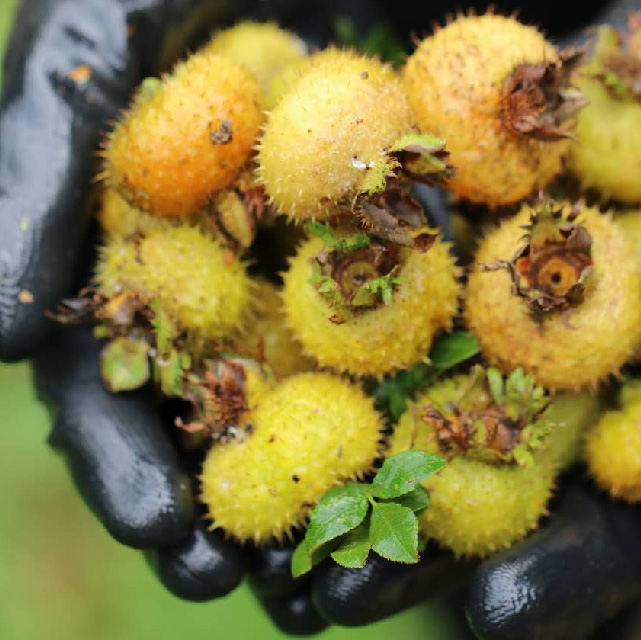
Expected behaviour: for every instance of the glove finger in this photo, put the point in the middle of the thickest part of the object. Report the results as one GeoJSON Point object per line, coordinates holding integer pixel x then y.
{"type": "Point", "coordinates": [582, 568]}
{"type": "Point", "coordinates": [116, 446]}
{"type": "Point", "coordinates": [271, 572]}
{"type": "Point", "coordinates": [354, 597]}
{"type": "Point", "coordinates": [201, 567]}
{"type": "Point", "coordinates": [295, 614]}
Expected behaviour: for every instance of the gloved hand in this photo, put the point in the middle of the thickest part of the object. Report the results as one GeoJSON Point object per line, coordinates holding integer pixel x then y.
{"type": "Point", "coordinates": [585, 564]}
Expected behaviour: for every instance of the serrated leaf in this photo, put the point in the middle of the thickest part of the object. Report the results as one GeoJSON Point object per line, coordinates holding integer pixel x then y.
{"type": "Point", "coordinates": [417, 500]}
{"type": "Point", "coordinates": [303, 559]}
{"type": "Point", "coordinates": [401, 473]}
{"type": "Point", "coordinates": [393, 532]}
{"type": "Point", "coordinates": [452, 349]}
{"type": "Point", "coordinates": [124, 364]}
{"type": "Point", "coordinates": [354, 548]}
{"type": "Point", "coordinates": [339, 511]}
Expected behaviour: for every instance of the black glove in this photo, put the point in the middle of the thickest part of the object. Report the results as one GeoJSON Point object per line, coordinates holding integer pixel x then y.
{"type": "Point", "coordinates": [118, 448]}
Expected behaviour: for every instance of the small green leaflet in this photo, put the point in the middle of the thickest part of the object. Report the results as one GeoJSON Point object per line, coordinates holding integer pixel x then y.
{"type": "Point", "coordinates": [452, 349]}
{"type": "Point", "coordinates": [352, 520]}
{"type": "Point", "coordinates": [354, 549]}
{"type": "Point", "coordinates": [403, 472]}
{"type": "Point", "coordinates": [337, 243]}
{"type": "Point", "coordinates": [338, 511]}
{"type": "Point", "coordinates": [394, 532]}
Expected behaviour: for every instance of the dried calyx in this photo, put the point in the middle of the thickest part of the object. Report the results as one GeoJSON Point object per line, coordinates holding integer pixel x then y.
{"type": "Point", "coordinates": [538, 100]}
{"type": "Point", "coordinates": [384, 206]}
{"type": "Point", "coordinates": [506, 428]}
{"type": "Point", "coordinates": [552, 269]}
{"type": "Point", "coordinates": [355, 272]}
{"type": "Point", "coordinates": [618, 59]}
{"type": "Point", "coordinates": [218, 394]}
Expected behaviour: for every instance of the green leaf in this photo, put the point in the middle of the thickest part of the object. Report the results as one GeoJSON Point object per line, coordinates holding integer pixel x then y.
{"type": "Point", "coordinates": [401, 473]}
{"type": "Point", "coordinates": [340, 510]}
{"type": "Point", "coordinates": [393, 532]}
{"type": "Point", "coordinates": [354, 548]}
{"type": "Point", "coordinates": [417, 500]}
{"type": "Point", "coordinates": [452, 349]}
{"type": "Point", "coordinates": [124, 364]}
{"type": "Point", "coordinates": [333, 241]}
{"type": "Point", "coordinates": [303, 559]}
{"type": "Point", "coordinates": [496, 385]}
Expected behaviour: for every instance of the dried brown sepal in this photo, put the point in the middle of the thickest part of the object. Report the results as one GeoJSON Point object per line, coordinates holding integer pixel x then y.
{"type": "Point", "coordinates": [218, 397]}
{"type": "Point", "coordinates": [538, 100]}
{"type": "Point", "coordinates": [395, 216]}
{"type": "Point", "coordinates": [460, 431]}
{"type": "Point", "coordinates": [553, 267]}
{"type": "Point", "coordinates": [423, 159]}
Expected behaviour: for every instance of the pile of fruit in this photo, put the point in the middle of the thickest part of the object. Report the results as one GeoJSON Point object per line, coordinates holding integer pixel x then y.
{"type": "Point", "coordinates": [267, 261]}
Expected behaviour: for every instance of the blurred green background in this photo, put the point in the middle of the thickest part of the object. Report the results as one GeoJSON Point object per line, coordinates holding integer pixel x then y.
{"type": "Point", "coordinates": [64, 578]}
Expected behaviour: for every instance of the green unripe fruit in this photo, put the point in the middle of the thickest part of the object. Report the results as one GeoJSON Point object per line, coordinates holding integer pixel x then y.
{"type": "Point", "coordinates": [310, 433]}
{"type": "Point", "coordinates": [199, 285]}
{"type": "Point", "coordinates": [607, 152]}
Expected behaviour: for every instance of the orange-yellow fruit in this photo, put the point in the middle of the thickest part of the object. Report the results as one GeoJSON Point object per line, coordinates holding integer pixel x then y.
{"type": "Point", "coordinates": [311, 432]}
{"type": "Point", "coordinates": [563, 350]}
{"type": "Point", "coordinates": [613, 452]}
{"type": "Point", "coordinates": [264, 49]}
{"type": "Point", "coordinates": [328, 133]}
{"type": "Point", "coordinates": [386, 338]}
{"type": "Point", "coordinates": [270, 339]}
{"type": "Point", "coordinates": [454, 81]}
{"type": "Point", "coordinates": [185, 137]}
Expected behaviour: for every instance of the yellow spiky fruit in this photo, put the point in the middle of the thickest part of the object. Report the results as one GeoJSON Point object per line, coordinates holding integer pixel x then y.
{"type": "Point", "coordinates": [310, 433]}
{"type": "Point", "coordinates": [455, 83]}
{"type": "Point", "coordinates": [613, 452]}
{"type": "Point", "coordinates": [475, 508]}
{"type": "Point", "coordinates": [329, 132]}
{"type": "Point", "coordinates": [375, 341]}
{"type": "Point", "coordinates": [119, 219]}
{"type": "Point", "coordinates": [630, 221]}
{"type": "Point", "coordinates": [185, 137]}
{"type": "Point", "coordinates": [264, 49]}
{"type": "Point", "coordinates": [283, 82]}
{"type": "Point", "coordinates": [269, 337]}
{"type": "Point", "coordinates": [563, 351]}
{"type": "Point", "coordinates": [607, 153]}
{"type": "Point", "coordinates": [197, 283]}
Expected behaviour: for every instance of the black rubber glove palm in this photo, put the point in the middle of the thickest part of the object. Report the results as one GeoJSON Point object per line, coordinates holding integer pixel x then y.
{"type": "Point", "coordinates": [581, 568]}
